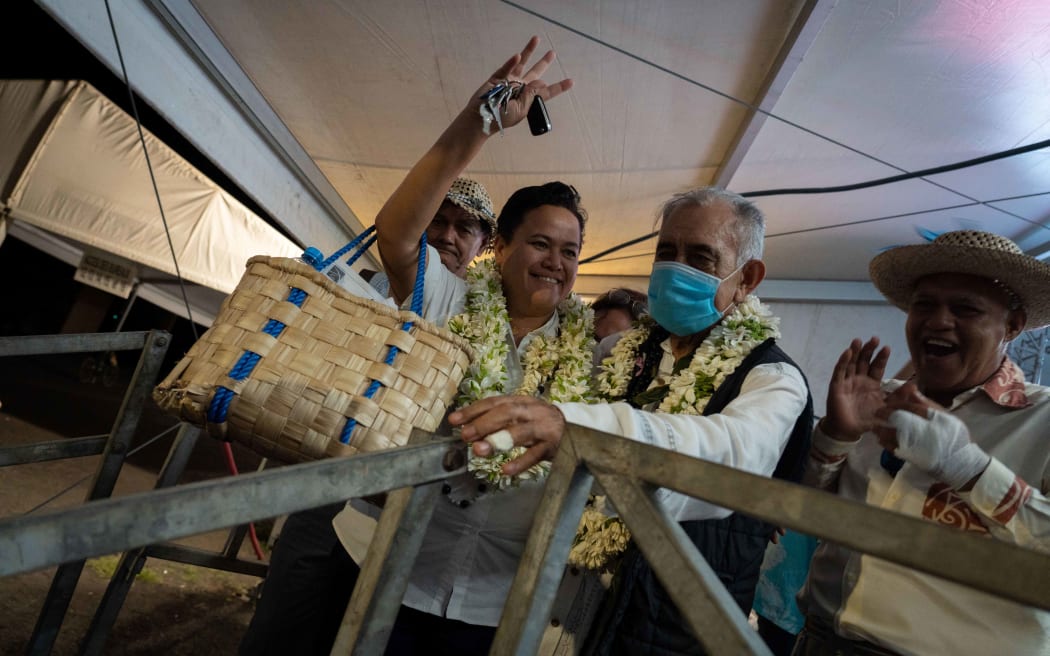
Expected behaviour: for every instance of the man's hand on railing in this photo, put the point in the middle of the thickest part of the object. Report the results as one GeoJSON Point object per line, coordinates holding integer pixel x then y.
{"type": "Point", "coordinates": [531, 422]}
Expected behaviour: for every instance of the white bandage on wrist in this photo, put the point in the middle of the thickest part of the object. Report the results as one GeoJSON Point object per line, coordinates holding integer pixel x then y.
{"type": "Point", "coordinates": [501, 441]}
{"type": "Point", "coordinates": [940, 446]}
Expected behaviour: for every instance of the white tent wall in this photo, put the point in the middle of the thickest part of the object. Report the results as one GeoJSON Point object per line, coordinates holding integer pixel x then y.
{"type": "Point", "coordinates": [815, 334]}
{"type": "Point", "coordinates": [196, 98]}
{"type": "Point", "coordinates": [166, 294]}
{"type": "Point", "coordinates": [88, 180]}
{"type": "Point", "coordinates": [26, 111]}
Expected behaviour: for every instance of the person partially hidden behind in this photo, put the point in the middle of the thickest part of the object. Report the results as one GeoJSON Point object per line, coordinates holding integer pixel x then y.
{"type": "Point", "coordinates": [462, 229]}
{"type": "Point", "coordinates": [302, 566]}
{"type": "Point", "coordinates": [963, 443]}
{"type": "Point", "coordinates": [616, 310]}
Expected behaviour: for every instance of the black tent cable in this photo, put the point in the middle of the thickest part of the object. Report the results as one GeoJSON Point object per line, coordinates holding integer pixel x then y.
{"type": "Point", "coordinates": [149, 167]}
{"type": "Point", "coordinates": [789, 191]}
{"type": "Point", "coordinates": [903, 215]}
{"type": "Point", "coordinates": [876, 219]}
{"type": "Point", "coordinates": [744, 103]}
{"type": "Point", "coordinates": [905, 175]}
{"type": "Point", "coordinates": [227, 449]}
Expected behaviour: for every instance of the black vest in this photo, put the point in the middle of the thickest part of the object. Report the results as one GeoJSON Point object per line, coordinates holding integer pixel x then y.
{"type": "Point", "coordinates": [638, 617]}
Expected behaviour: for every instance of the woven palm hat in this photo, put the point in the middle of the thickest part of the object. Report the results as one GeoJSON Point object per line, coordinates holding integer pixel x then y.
{"type": "Point", "coordinates": [472, 196]}
{"type": "Point", "coordinates": [897, 271]}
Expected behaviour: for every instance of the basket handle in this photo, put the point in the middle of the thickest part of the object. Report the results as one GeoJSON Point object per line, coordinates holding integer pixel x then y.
{"type": "Point", "coordinates": [356, 243]}
{"type": "Point", "coordinates": [359, 245]}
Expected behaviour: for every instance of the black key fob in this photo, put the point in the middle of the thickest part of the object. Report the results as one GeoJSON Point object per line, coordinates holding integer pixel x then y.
{"type": "Point", "coordinates": [539, 120]}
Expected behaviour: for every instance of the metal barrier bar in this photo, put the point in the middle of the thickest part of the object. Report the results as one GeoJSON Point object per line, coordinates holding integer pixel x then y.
{"type": "Point", "coordinates": [132, 562]}
{"type": "Point", "coordinates": [110, 526]}
{"type": "Point", "coordinates": [154, 347]}
{"type": "Point", "coordinates": [536, 582]}
{"type": "Point", "coordinates": [77, 447]}
{"type": "Point", "coordinates": [178, 553]}
{"type": "Point", "coordinates": [694, 587]}
{"type": "Point", "coordinates": [1006, 570]}
{"type": "Point", "coordinates": [79, 343]}
{"type": "Point", "coordinates": [381, 585]}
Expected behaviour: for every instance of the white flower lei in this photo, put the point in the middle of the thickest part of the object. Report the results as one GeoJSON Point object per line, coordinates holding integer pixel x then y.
{"type": "Point", "coordinates": [564, 361]}
{"type": "Point", "coordinates": [599, 538]}
{"type": "Point", "coordinates": [718, 356]}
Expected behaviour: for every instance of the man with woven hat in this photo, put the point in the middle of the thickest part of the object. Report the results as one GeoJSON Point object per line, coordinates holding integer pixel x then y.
{"type": "Point", "coordinates": [964, 442]}
{"type": "Point", "coordinates": [461, 229]}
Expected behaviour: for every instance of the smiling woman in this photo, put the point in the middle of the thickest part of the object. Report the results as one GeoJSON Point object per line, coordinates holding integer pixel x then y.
{"type": "Point", "coordinates": [530, 335]}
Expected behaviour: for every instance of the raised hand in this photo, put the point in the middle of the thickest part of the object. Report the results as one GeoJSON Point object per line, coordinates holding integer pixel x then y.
{"type": "Point", "coordinates": [855, 392]}
{"type": "Point", "coordinates": [513, 70]}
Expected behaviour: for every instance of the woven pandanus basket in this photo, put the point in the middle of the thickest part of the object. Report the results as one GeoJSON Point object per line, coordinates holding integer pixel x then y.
{"type": "Point", "coordinates": [297, 369]}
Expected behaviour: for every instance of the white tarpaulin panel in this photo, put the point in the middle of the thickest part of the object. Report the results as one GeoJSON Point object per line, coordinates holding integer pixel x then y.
{"type": "Point", "coordinates": [88, 180]}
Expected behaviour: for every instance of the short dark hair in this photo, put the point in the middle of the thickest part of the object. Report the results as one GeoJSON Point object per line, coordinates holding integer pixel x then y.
{"type": "Point", "coordinates": [525, 199]}
{"type": "Point", "coordinates": [636, 303]}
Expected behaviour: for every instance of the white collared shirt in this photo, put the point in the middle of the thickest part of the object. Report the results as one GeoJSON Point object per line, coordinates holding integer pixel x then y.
{"type": "Point", "coordinates": [749, 434]}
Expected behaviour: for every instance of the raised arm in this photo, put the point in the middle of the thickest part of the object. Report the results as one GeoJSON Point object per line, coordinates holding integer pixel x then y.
{"type": "Point", "coordinates": [412, 206]}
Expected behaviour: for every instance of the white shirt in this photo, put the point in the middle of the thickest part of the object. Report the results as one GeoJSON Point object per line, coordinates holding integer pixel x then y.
{"type": "Point", "coordinates": [912, 613]}
{"type": "Point", "coordinates": [749, 434]}
{"type": "Point", "coordinates": [469, 555]}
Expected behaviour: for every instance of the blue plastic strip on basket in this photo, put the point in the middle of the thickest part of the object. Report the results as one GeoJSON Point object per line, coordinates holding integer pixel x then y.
{"type": "Point", "coordinates": [417, 307]}
{"type": "Point", "coordinates": [220, 403]}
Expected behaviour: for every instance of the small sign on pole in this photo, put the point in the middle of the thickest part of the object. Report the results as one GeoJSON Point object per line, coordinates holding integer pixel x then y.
{"type": "Point", "coordinates": [107, 272]}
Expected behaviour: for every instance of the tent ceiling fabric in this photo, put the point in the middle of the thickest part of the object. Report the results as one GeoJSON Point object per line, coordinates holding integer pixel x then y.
{"type": "Point", "coordinates": [884, 86]}
{"type": "Point", "coordinates": [82, 174]}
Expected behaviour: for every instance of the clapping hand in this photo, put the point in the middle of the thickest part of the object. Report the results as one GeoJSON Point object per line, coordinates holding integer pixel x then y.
{"type": "Point", "coordinates": [908, 399]}
{"type": "Point", "coordinates": [921, 432]}
{"type": "Point", "coordinates": [855, 392]}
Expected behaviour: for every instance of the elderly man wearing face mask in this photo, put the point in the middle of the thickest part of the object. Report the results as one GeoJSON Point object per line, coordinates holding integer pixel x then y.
{"type": "Point", "coordinates": [963, 443]}
{"type": "Point", "coordinates": [702, 375]}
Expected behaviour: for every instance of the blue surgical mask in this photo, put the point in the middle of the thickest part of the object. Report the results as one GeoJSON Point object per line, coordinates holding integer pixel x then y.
{"type": "Point", "coordinates": [682, 299]}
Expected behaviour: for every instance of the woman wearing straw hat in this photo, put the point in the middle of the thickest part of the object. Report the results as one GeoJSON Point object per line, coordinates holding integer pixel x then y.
{"type": "Point", "coordinates": [964, 442]}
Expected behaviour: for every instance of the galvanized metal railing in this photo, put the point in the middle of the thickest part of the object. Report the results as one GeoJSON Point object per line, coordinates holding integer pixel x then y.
{"type": "Point", "coordinates": [629, 473]}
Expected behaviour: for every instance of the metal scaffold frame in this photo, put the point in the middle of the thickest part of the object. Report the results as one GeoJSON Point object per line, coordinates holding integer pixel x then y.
{"type": "Point", "coordinates": [629, 473]}
{"type": "Point", "coordinates": [114, 449]}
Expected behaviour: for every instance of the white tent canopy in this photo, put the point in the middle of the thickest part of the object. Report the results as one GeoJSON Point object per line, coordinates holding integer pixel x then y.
{"type": "Point", "coordinates": [318, 109]}
{"type": "Point", "coordinates": [87, 179]}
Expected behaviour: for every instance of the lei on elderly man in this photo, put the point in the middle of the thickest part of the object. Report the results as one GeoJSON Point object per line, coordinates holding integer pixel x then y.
{"type": "Point", "coordinates": [963, 443]}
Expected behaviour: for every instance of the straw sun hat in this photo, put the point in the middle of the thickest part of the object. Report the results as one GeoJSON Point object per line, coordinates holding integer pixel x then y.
{"type": "Point", "coordinates": [896, 271]}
